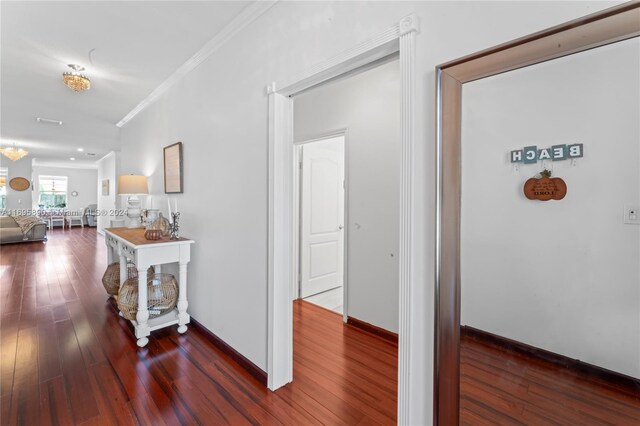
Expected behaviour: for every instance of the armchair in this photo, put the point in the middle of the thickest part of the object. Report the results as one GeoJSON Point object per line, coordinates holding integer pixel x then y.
{"type": "Point", "coordinates": [90, 214]}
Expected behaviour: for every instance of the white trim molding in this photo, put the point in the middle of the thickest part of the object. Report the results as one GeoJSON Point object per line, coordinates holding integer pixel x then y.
{"type": "Point", "coordinates": [280, 276]}
{"type": "Point", "coordinates": [246, 17]}
{"type": "Point", "coordinates": [398, 38]}
{"type": "Point", "coordinates": [65, 164]}
{"type": "Point", "coordinates": [408, 29]}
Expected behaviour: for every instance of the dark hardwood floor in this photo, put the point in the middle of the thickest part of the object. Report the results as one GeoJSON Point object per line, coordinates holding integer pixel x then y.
{"type": "Point", "coordinates": [67, 358]}
{"type": "Point", "coordinates": [502, 387]}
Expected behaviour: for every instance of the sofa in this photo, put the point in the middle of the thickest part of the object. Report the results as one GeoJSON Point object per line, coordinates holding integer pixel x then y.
{"type": "Point", "coordinates": [11, 231]}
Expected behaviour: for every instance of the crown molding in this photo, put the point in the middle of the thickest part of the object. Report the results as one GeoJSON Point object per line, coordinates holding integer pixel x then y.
{"type": "Point", "coordinates": [104, 157]}
{"type": "Point", "coordinates": [63, 164]}
{"type": "Point", "coordinates": [246, 17]}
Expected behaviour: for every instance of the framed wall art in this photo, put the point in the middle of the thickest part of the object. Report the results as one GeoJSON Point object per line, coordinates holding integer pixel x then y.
{"type": "Point", "coordinates": [173, 169]}
{"type": "Point", "coordinates": [19, 184]}
{"type": "Point", "coordinates": [105, 186]}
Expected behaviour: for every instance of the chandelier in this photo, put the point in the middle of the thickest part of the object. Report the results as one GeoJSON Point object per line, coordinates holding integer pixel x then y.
{"type": "Point", "coordinates": [76, 81]}
{"type": "Point", "coordinates": [14, 154]}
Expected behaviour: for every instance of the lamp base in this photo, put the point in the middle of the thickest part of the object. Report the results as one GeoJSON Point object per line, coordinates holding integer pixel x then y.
{"type": "Point", "coordinates": [133, 211]}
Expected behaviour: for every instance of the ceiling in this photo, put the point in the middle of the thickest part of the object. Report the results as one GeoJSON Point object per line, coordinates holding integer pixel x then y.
{"type": "Point", "coordinates": [136, 46]}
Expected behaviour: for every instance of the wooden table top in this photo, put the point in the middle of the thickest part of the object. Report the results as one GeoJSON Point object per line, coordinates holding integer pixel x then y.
{"type": "Point", "coordinates": [136, 236]}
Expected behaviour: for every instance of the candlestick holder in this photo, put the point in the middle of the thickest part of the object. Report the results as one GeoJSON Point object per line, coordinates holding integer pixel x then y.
{"type": "Point", "coordinates": [174, 227]}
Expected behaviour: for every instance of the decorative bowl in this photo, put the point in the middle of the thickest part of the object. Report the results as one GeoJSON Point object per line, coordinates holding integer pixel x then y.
{"type": "Point", "coordinates": [153, 234]}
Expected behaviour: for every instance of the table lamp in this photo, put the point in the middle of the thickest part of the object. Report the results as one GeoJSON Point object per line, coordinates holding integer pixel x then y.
{"type": "Point", "coordinates": [133, 185]}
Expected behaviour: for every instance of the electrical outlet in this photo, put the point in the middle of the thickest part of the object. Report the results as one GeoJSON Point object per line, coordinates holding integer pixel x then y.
{"type": "Point", "coordinates": [632, 215]}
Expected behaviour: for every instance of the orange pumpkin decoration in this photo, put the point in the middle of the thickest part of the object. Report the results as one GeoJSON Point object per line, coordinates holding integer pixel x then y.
{"type": "Point", "coordinates": [545, 187]}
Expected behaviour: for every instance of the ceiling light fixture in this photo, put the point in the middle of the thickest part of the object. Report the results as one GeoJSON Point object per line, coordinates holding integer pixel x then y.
{"type": "Point", "coordinates": [14, 154]}
{"type": "Point", "coordinates": [80, 149]}
{"type": "Point", "coordinates": [76, 81]}
{"type": "Point", "coordinates": [48, 121]}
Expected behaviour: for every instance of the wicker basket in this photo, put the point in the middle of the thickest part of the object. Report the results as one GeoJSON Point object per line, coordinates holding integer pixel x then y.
{"type": "Point", "coordinates": [111, 277]}
{"type": "Point", "coordinates": [162, 296]}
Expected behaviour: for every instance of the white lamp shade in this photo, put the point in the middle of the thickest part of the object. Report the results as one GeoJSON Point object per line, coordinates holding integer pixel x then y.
{"type": "Point", "coordinates": [132, 184]}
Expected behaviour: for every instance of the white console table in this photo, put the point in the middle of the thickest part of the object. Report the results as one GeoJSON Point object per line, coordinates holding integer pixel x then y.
{"type": "Point", "coordinates": [130, 244]}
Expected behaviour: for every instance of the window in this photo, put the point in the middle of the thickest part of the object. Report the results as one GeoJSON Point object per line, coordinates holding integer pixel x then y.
{"type": "Point", "coordinates": [53, 191]}
{"type": "Point", "coordinates": [3, 187]}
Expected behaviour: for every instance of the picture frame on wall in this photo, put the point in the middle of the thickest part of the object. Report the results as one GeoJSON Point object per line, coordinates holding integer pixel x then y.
{"type": "Point", "coordinates": [173, 169]}
{"type": "Point", "coordinates": [105, 186]}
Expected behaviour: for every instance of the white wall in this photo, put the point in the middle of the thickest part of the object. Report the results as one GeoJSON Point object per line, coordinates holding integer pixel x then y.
{"type": "Point", "coordinates": [21, 168]}
{"type": "Point", "coordinates": [560, 275]}
{"type": "Point", "coordinates": [107, 169]}
{"type": "Point", "coordinates": [219, 111]}
{"type": "Point", "coordinates": [368, 106]}
{"type": "Point", "coordinates": [81, 180]}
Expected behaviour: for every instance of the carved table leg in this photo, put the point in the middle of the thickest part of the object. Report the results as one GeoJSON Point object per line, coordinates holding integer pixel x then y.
{"type": "Point", "coordinates": [183, 317]}
{"type": "Point", "coordinates": [142, 329]}
{"type": "Point", "coordinates": [109, 252]}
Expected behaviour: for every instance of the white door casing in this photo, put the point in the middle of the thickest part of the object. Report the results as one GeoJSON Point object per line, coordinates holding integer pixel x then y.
{"type": "Point", "coordinates": [322, 216]}
{"type": "Point", "coordinates": [281, 242]}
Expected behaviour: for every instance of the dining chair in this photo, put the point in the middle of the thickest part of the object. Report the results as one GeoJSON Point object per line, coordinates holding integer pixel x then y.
{"type": "Point", "coordinates": [74, 218]}
{"type": "Point", "coordinates": [57, 216]}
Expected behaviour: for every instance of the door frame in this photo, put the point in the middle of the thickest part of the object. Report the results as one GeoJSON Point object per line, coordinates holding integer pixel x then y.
{"type": "Point", "coordinates": [397, 38]}
{"type": "Point", "coordinates": [598, 29]}
{"type": "Point", "coordinates": [298, 209]}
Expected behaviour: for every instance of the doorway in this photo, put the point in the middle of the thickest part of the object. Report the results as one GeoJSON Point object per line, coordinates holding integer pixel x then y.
{"type": "Point", "coordinates": [321, 212]}
{"type": "Point", "coordinates": [354, 170]}
{"type": "Point", "coordinates": [281, 248]}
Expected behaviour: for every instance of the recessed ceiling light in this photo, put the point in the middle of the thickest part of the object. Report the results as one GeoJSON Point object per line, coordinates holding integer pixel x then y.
{"type": "Point", "coordinates": [80, 149]}
{"type": "Point", "coordinates": [72, 158]}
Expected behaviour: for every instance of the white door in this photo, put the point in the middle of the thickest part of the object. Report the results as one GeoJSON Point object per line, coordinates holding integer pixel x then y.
{"type": "Point", "coordinates": [322, 216]}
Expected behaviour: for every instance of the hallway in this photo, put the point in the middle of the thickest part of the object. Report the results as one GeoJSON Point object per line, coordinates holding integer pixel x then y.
{"type": "Point", "coordinates": [68, 359]}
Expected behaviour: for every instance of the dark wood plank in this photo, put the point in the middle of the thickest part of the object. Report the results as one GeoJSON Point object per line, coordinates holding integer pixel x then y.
{"type": "Point", "coordinates": [24, 398]}
{"type": "Point", "coordinates": [54, 405]}
{"type": "Point", "coordinates": [8, 345]}
{"type": "Point", "coordinates": [60, 312]}
{"type": "Point", "coordinates": [5, 409]}
{"type": "Point", "coordinates": [76, 378]}
{"type": "Point", "coordinates": [111, 396]}
{"type": "Point", "coordinates": [89, 345]}
{"type": "Point", "coordinates": [147, 413]}
{"type": "Point", "coordinates": [26, 364]}
{"type": "Point", "coordinates": [44, 316]}
{"type": "Point", "coordinates": [48, 356]}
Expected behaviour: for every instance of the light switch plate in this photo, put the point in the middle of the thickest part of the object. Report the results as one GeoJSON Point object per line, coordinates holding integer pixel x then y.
{"type": "Point", "coordinates": [632, 215]}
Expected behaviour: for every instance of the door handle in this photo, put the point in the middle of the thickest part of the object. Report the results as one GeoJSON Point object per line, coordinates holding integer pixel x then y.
{"type": "Point", "coordinates": [340, 227]}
